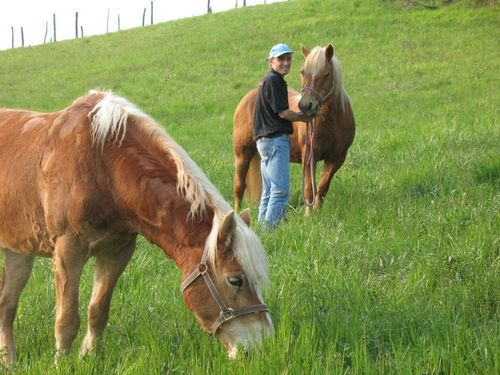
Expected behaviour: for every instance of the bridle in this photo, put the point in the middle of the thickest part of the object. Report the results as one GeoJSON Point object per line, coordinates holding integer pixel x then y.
{"type": "Point", "coordinates": [226, 313]}
{"type": "Point", "coordinates": [320, 98]}
{"type": "Point", "coordinates": [309, 137]}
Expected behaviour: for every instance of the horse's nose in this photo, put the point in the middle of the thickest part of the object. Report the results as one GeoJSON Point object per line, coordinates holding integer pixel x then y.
{"type": "Point", "coordinates": [305, 106]}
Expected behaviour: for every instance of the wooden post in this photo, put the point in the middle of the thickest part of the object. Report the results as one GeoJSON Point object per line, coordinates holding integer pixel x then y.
{"type": "Point", "coordinates": [22, 37]}
{"type": "Point", "coordinates": [81, 31]}
{"type": "Point", "coordinates": [76, 25]}
{"type": "Point", "coordinates": [107, 23]}
{"type": "Point", "coordinates": [46, 32]}
{"type": "Point", "coordinates": [151, 12]}
{"type": "Point", "coordinates": [12, 32]}
{"type": "Point", "coordinates": [209, 9]}
{"type": "Point", "coordinates": [54, 22]}
{"type": "Point", "coordinates": [118, 22]}
{"type": "Point", "coordinates": [143, 16]}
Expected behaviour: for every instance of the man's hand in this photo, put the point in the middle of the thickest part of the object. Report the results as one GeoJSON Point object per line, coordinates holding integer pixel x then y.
{"type": "Point", "coordinates": [294, 116]}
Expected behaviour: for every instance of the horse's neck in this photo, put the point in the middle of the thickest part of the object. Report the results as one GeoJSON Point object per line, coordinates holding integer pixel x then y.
{"type": "Point", "coordinates": [330, 109]}
{"type": "Point", "coordinates": [147, 188]}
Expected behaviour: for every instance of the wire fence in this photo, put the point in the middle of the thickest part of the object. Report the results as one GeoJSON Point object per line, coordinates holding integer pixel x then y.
{"type": "Point", "coordinates": [79, 28]}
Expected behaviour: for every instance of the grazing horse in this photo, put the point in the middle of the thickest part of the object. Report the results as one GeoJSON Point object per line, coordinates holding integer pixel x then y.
{"type": "Point", "coordinates": [324, 98]}
{"type": "Point", "coordinates": [84, 181]}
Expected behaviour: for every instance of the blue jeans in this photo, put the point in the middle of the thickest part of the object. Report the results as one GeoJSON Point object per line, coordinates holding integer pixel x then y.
{"type": "Point", "coordinates": [275, 171]}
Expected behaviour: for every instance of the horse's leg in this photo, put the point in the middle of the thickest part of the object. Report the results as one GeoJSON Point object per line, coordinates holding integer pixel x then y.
{"type": "Point", "coordinates": [329, 169]}
{"type": "Point", "coordinates": [108, 268]}
{"type": "Point", "coordinates": [16, 272]}
{"type": "Point", "coordinates": [242, 162]}
{"type": "Point", "coordinates": [69, 259]}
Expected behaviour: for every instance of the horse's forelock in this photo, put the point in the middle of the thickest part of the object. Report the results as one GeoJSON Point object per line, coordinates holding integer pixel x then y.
{"type": "Point", "coordinates": [247, 248]}
{"type": "Point", "coordinates": [251, 256]}
{"type": "Point", "coordinates": [315, 61]}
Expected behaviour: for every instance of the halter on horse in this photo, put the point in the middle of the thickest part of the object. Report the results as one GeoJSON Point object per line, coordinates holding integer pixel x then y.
{"type": "Point", "coordinates": [226, 313]}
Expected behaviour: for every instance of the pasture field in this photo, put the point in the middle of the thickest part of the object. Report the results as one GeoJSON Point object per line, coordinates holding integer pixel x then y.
{"type": "Point", "coordinates": [398, 272]}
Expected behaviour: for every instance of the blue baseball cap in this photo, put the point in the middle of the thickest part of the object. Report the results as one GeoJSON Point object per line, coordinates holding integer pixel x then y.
{"type": "Point", "coordinates": [278, 50]}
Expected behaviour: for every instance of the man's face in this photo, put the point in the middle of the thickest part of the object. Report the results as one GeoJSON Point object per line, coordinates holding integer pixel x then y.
{"type": "Point", "coordinates": [282, 64]}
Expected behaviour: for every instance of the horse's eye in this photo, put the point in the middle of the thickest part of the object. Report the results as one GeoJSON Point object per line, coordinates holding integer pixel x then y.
{"type": "Point", "coordinates": [236, 281]}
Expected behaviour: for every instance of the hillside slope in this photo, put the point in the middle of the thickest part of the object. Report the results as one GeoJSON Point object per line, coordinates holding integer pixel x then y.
{"type": "Point", "coordinates": [397, 273]}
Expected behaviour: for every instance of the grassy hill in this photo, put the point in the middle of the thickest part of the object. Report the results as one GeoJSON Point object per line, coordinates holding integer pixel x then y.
{"type": "Point", "coordinates": [397, 273]}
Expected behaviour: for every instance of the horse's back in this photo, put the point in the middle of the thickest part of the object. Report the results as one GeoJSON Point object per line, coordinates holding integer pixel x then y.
{"type": "Point", "coordinates": [45, 163]}
{"type": "Point", "coordinates": [243, 119]}
{"type": "Point", "coordinates": [242, 123]}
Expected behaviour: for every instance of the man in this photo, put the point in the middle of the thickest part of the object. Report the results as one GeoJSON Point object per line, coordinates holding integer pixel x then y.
{"type": "Point", "coordinates": [272, 126]}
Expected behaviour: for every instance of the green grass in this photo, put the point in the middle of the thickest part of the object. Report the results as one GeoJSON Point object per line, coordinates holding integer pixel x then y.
{"type": "Point", "coordinates": [396, 274]}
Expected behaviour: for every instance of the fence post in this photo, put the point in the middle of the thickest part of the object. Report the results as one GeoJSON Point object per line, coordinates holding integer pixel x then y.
{"type": "Point", "coordinates": [143, 16]}
{"type": "Point", "coordinates": [12, 33]}
{"type": "Point", "coordinates": [151, 12]}
{"type": "Point", "coordinates": [22, 37]}
{"type": "Point", "coordinates": [107, 23]}
{"type": "Point", "coordinates": [81, 29]}
{"type": "Point", "coordinates": [76, 25]}
{"type": "Point", "coordinates": [54, 22]}
{"type": "Point", "coordinates": [118, 22]}
{"type": "Point", "coordinates": [46, 31]}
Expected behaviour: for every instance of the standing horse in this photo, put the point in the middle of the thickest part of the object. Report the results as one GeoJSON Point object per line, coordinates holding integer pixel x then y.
{"type": "Point", "coordinates": [84, 182]}
{"type": "Point", "coordinates": [324, 98]}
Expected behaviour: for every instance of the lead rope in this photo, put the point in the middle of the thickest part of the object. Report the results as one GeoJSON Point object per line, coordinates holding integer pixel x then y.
{"type": "Point", "coordinates": [308, 162]}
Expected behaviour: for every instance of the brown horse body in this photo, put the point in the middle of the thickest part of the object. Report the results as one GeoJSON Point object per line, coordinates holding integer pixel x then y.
{"type": "Point", "coordinates": [84, 182]}
{"type": "Point", "coordinates": [325, 99]}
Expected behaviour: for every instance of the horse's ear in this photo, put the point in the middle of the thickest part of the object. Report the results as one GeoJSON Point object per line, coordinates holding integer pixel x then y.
{"type": "Point", "coordinates": [329, 52]}
{"type": "Point", "coordinates": [304, 50]}
{"type": "Point", "coordinates": [245, 216]}
{"type": "Point", "coordinates": [227, 228]}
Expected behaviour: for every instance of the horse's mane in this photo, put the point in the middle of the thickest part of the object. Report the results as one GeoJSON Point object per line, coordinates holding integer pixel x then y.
{"type": "Point", "coordinates": [316, 62]}
{"type": "Point", "coordinates": [109, 121]}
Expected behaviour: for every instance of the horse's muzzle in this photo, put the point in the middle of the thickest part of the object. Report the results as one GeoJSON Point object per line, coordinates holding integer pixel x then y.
{"type": "Point", "coordinates": [309, 107]}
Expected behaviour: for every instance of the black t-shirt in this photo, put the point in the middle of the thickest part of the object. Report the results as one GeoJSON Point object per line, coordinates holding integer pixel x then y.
{"type": "Point", "coordinates": [272, 98]}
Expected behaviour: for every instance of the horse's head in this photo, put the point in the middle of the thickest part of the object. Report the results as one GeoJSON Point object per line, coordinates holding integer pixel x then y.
{"type": "Point", "coordinates": [223, 288]}
{"type": "Point", "coordinates": [318, 78]}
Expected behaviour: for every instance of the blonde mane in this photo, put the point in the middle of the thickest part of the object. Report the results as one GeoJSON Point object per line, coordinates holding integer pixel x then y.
{"type": "Point", "coordinates": [109, 120]}
{"type": "Point", "coordinates": [316, 62]}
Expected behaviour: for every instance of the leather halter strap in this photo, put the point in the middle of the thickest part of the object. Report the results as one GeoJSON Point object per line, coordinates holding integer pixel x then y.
{"type": "Point", "coordinates": [317, 94]}
{"type": "Point", "coordinates": [226, 313]}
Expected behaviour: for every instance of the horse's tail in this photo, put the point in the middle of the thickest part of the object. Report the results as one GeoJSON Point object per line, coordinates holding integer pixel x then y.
{"type": "Point", "coordinates": [254, 181]}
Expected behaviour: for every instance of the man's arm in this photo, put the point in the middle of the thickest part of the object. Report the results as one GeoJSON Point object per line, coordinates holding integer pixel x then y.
{"type": "Point", "coordinates": [290, 115]}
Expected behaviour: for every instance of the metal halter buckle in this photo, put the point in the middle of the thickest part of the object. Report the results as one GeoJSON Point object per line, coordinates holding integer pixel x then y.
{"type": "Point", "coordinates": [202, 268]}
{"type": "Point", "coordinates": [227, 314]}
